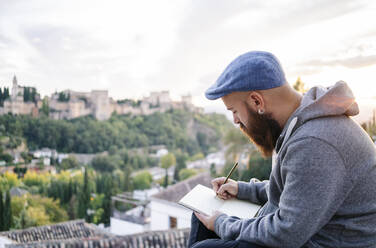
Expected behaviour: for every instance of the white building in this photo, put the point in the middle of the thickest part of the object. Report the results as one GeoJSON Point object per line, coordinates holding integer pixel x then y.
{"type": "Point", "coordinates": [136, 220]}
{"type": "Point", "coordinates": [161, 213]}
{"type": "Point", "coordinates": [165, 211]}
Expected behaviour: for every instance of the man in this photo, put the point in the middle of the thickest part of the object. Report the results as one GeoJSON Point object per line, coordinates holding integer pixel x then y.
{"type": "Point", "coordinates": [322, 188]}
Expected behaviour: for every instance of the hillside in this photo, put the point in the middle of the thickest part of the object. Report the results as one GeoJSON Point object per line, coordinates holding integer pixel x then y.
{"type": "Point", "coordinates": [177, 129]}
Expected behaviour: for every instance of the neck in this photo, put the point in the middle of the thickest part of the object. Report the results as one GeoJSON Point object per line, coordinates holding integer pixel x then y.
{"type": "Point", "coordinates": [288, 107]}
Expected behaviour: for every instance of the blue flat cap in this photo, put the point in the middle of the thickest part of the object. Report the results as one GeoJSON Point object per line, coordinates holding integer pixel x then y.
{"type": "Point", "coordinates": [254, 70]}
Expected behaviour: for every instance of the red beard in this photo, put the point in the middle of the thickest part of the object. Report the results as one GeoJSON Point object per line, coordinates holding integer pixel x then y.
{"type": "Point", "coordinates": [263, 131]}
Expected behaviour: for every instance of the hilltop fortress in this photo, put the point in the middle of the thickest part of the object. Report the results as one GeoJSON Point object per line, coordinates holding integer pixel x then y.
{"type": "Point", "coordinates": [71, 104]}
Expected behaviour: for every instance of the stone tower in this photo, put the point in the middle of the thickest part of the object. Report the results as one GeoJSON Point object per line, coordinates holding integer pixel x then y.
{"type": "Point", "coordinates": [15, 87]}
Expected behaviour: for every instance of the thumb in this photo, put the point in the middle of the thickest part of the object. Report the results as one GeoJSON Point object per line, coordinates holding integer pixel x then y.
{"type": "Point", "coordinates": [224, 188]}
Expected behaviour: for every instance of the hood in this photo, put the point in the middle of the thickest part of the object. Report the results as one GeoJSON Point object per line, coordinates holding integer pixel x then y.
{"type": "Point", "coordinates": [320, 102]}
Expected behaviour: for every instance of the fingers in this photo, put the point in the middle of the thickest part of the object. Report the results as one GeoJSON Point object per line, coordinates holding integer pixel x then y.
{"type": "Point", "coordinates": [201, 217]}
{"type": "Point", "coordinates": [224, 188]}
{"type": "Point", "coordinates": [217, 182]}
{"type": "Point", "coordinates": [226, 191]}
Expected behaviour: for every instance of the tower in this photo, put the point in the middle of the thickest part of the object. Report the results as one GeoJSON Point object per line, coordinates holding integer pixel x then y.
{"type": "Point", "coordinates": [14, 80]}
{"type": "Point", "coordinates": [14, 88]}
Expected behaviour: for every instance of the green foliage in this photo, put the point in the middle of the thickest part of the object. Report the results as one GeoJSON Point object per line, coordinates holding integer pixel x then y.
{"type": "Point", "coordinates": [106, 205]}
{"type": "Point", "coordinates": [197, 156]}
{"type": "Point", "coordinates": [237, 142]}
{"type": "Point", "coordinates": [186, 173]}
{"type": "Point", "coordinates": [63, 97]}
{"type": "Point", "coordinates": [30, 94]}
{"type": "Point", "coordinates": [45, 107]}
{"type": "Point", "coordinates": [127, 182]}
{"type": "Point", "coordinates": [35, 210]}
{"type": "Point", "coordinates": [258, 167]}
{"type": "Point", "coordinates": [103, 164]}
{"type": "Point", "coordinates": [26, 157]}
{"type": "Point", "coordinates": [4, 95]}
{"type": "Point", "coordinates": [8, 180]}
{"type": "Point", "coordinates": [213, 171]}
{"type": "Point", "coordinates": [84, 197]}
{"type": "Point", "coordinates": [32, 178]}
{"type": "Point", "coordinates": [168, 160]}
{"type": "Point", "coordinates": [87, 135]}
{"type": "Point", "coordinates": [203, 142]}
{"type": "Point", "coordinates": [51, 207]}
{"type": "Point", "coordinates": [142, 180]}
{"type": "Point", "coordinates": [2, 212]}
{"type": "Point", "coordinates": [299, 86]}
{"type": "Point", "coordinates": [69, 163]}
{"type": "Point", "coordinates": [180, 164]}
{"type": "Point", "coordinates": [6, 157]}
{"type": "Point", "coordinates": [8, 218]}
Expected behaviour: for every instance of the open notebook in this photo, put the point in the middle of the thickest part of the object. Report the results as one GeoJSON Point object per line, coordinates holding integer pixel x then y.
{"type": "Point", "coordinates": [204, 200]}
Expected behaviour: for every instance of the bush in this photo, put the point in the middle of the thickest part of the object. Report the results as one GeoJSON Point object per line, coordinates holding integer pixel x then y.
{"type": "Point", "coordinates": [186, 173]}
{"type": "Point", "coordinates": [142, 180]}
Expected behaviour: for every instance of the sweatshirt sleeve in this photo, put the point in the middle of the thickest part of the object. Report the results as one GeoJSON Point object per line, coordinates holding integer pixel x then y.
{"type": "Point", "coordinates": [254, 191]}
{"type": "Point", "coordinates": [315, 185]}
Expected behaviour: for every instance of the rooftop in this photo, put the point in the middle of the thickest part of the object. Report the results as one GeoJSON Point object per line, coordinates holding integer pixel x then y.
{"type": "Point", "coordinates": [80, 234]}
{"type": "Point", "coordinates": [175, 192]}
{"type": "Point", "coordinates": [77, 229]}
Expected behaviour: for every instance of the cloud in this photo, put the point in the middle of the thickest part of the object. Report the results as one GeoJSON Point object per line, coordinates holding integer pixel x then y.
{"type": "Point", "coordinates": [134, 47]}
{"type": "Point", "coordinates": [353, 62]}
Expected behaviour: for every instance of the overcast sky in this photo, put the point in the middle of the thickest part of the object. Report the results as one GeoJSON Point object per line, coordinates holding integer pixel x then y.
{"type": "Point", "coordinates": [134, 47]}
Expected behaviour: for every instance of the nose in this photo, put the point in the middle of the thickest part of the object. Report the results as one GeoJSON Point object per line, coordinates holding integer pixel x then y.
{"type": "Point", "coordinates": [236, 119]}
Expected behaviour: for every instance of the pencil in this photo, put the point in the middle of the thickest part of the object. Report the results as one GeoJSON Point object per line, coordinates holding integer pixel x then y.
{"type": "Point", "coordinates": [231, 171]}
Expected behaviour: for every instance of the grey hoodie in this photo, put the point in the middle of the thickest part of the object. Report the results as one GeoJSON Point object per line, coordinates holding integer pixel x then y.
{"type": "Point", "coordinates": [322, 188]}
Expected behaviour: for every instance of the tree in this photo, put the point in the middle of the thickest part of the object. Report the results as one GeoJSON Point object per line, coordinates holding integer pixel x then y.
{"type": "Point", "coordinates": [8, 212]}
{"type": "Point", "coordinates": [127, 179]}
{"type": "Point", "coordinates": [203, 142]}
{"type": "Point", "coordinates": [142, 180]}
{"type": "Point", "coordinates": [84, 198]}
{"type": "Point", "coordinates": [2, 213]}
{"type": "Point", "coordinates": [213, 171]}
{"type": "Point", "coordinates": [166, 162]}
{"type": "Point", "coordinates": [45, 107]}
{"type": "Point", "coordinates": [69, 163]}
{"type": "Point", "coordinates": [187, 173]}
{"type": "Point", "coordinates": [237, 143]}
{"type": "Point", "coordinates": [107, 201]}
{"type": "Point", "coordinates": [180, 164]}
{"type": "Point", "coordinates": [299, 86]}
{"type": "Point", "coordinates": [104, 163]}
{"type": "Point", "coordinates": [21, 221]}
{"type": "Point", "coordinates": [258, 167]}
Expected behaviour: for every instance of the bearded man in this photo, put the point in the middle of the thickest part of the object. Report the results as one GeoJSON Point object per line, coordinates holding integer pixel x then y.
{"type": "Point", "coordinates": [322, 188]}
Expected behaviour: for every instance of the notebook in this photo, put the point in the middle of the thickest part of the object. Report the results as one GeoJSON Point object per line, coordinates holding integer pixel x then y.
{"type": "Point", "coordinates": [204, 200]}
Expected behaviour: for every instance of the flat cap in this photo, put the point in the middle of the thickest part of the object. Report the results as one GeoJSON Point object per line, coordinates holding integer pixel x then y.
{"type": "Point", "coordinates": [255, 70]}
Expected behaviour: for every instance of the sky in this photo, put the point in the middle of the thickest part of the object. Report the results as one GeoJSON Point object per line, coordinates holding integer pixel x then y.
{"type": "Point", "coordinates": [132, 48]}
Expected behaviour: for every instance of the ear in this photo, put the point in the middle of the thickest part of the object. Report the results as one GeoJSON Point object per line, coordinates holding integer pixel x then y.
{"type": "Point", "coordinates": [256, 101]}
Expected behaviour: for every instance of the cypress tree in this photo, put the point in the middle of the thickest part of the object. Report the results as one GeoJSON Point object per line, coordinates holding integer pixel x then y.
{"type": "Point", "coordinates": [127, 179]}
{"type": "Point", "coordinates": [8, 212]}
{"type": "Point", "coordinates": [84, 199]}
{"type": "Point", "coordinates": [6, 93]}
{"type": "Point", "coordinates": [2, 214]}
{"type": "Point", "coordinates": [106, 205]}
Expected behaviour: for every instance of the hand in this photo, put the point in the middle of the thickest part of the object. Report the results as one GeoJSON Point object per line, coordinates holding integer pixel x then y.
{"type": "Point", "coordinates": [208, 221]}
{"type": "Point", "coordinates": [225, 191]}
